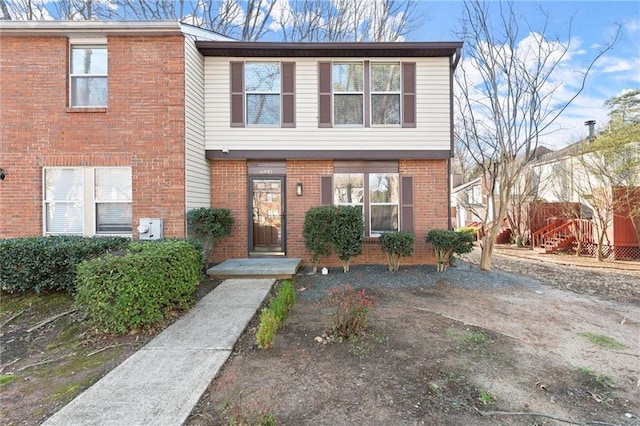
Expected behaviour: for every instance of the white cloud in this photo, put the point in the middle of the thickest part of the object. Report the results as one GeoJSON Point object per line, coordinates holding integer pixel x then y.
{"type": "Point", "coordinates": [617, 65]}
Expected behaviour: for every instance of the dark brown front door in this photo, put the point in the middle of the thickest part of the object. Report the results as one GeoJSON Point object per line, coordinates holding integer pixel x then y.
{"type": "Point", "coordinates": [267, 212]}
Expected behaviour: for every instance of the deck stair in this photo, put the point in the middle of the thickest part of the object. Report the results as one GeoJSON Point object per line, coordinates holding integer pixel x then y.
{"type": "Point", "coordinates": [560, 234]}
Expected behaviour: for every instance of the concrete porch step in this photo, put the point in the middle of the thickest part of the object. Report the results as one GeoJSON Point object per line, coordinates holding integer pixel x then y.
{"type": "Point", "coordinates": [262, 267]}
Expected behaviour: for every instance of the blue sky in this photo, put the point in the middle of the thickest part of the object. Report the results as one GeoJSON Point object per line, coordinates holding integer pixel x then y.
{"type": "Point", "coordinates": [594, 23]}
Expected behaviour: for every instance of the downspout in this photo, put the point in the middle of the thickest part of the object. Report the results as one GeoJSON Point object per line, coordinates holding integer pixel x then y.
{"type": "Point", "coordinates": [453, 63]}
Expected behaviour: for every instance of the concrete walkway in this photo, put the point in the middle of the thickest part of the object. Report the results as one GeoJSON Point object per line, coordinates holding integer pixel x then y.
{"type": "Point", "coordinates": [161, 383]}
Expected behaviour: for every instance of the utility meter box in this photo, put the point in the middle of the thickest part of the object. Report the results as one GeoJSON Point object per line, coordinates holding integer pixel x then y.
{"type": "Point", "coordinates": [150, 228]}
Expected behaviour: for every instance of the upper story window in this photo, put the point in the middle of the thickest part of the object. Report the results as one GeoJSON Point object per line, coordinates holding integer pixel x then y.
{"type": "Point", "coordinates": [348, 93]}
{"type": "Point", "coordinates": [88, 76]}
{"type": "Point", "coordinates": [262, 94]}
{"type": "Point", "coordinates": [262, 87]}
{"type": "Point", "coordinates": [366, 94]}
{"type": "Point", "coordinates": [385, 93]}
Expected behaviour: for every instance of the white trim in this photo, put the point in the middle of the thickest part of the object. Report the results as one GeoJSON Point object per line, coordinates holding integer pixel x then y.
{"type": "Point", "coordinates": [100, 41]}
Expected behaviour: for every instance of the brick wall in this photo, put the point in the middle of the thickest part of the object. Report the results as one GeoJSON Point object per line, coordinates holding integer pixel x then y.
{"type": "Point", "coordinates": [143, 126]}
{"type": "Point", "coordinates": [229, 190]}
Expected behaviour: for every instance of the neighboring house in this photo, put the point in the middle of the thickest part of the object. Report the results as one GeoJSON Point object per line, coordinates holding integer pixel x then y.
{"type": "Point", "coordinates": [577, 185]}
{"type": "Point", "coordinates": [469, 202]}
{"type": "Point", "coordinates": [101, 124]}
{"type": "Point", "coordinates": [158, 118]}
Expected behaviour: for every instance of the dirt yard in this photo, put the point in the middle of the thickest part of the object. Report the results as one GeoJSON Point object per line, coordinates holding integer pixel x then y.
{"type": "Point", "coordinates": [460, 350]}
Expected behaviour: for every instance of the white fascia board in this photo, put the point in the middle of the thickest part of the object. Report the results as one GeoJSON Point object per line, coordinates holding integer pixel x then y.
{"type": "Point", "coordinates": [89, 28]}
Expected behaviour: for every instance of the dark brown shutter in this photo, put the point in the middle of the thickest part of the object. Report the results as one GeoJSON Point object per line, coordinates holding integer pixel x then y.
{"type": "Point", "coordinates": [237, 94]}
{"type": "Point", "coordinates": [367, 95]}
{"type": "Point", "coordinates": [288, 94]}
{"type": "Point", "coordinates": [326, 190]}
{"type": "Point", "coordinates": [406, 203]}
{"type": "Point", "coordinates": [324, 94]}
{"type": "Point", "coordinates": [408, 94]}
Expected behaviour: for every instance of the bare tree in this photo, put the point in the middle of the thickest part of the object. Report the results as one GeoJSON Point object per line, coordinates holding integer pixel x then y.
{"type": "Point", "coordinates": [507, 98]}
{"type": "Point", "coordinates": [248, 20]}
{"type": "Point", "coordinates": [345, 20]}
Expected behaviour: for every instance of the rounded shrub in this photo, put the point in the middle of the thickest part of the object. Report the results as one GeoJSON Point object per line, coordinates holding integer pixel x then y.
{"type": "Point", "coordinates": [397, 245]}
{"type": "Point", "coordinates": [121, 293]}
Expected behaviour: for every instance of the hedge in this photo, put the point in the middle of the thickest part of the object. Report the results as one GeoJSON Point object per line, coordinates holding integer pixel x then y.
{"type": "Point", "coordinates": [43, 264]}
{"type": "Point", "coordinates": [122, 293]}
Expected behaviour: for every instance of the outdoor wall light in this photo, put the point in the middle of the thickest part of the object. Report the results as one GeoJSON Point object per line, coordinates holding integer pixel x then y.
{"type": "Point", "coordinates": [299, 189]}
{"type": "Point", "coordinates": [2, 174]}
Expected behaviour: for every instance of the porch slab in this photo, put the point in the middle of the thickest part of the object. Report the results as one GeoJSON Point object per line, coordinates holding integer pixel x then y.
{"type": "Point", "coordinates": [262, 267]}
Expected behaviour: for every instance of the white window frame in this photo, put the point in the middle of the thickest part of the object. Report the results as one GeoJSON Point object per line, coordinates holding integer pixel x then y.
{"type": "Point", "coordinates": [371, 203]}
{"type": "Point", "coordinates": [398, 93]}
{"type": "Point", "coordinates": [335, 93]}
{"type": "Point", "coordinates": [88, 202]}
{"type": "Point", "coordinates": [87, 44]}
{"type": "Point", "coordinates": [366, 200]}
{"type": "Point", "coordinates": [277, 92]}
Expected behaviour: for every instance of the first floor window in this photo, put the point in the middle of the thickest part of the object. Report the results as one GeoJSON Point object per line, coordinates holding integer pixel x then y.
{"type": "Point", "coordinates": [87, 200]}
{"type": "Point", "coordinates": [377, 194]}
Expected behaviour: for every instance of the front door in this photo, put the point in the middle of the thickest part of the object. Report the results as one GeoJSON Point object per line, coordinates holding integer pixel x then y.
{"type": "Point", "coordinates": [266, 230]}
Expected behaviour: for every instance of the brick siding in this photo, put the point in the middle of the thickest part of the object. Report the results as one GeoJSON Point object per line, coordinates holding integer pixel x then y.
{"type": "Point", "coordinates": [142, 127]}
{"type": "Point", "coordinates": [229, 190]}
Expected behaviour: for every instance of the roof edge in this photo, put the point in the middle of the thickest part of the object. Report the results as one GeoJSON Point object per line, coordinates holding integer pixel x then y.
{"type": "Point", "coordinates": [328, 49]}
{"type": "Point", "coordinates": [93, 28]}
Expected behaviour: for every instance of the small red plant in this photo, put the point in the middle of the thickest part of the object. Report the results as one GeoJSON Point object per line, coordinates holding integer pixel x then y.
{"type": "Point", "coordinates": [349, 311]}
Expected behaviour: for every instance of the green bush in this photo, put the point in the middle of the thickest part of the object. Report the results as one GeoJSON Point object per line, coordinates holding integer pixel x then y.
{"type": "Point", "coordinates": [337, 228]}
{"type": "Point", "coordinates": [448, 243]}
{"type": "Point", "coordinates": [471, 230]}
{"type": "Point", "coordinates": [210, 225]}
{"type": "Point", "coordinates": [266, 333]}
{"type": "Point", "coordinates": [273, 317]}
{"type": "Point", "coordinates": [137, 289]}
{"type": "Point", "coordinates": [347, 233]}
{"type": "Point", "coordinates": [317, 222]}
{"type": "Point", "coordinates": [42, 264]}
{"type": "Point", "coordinates": [397, 245]}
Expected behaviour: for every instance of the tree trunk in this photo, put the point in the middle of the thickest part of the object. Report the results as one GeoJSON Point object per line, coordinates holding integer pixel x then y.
{"type": "Point", "coordinates": [599, 256]}
{"type": "Point", "coordinates": [487, 250]}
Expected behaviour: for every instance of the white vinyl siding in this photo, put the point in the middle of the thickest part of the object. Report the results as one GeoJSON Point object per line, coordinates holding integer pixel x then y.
{"type": "Point", "coordinates": [198, 181]}
{"type": "Point", "coordinates": [432, 129]}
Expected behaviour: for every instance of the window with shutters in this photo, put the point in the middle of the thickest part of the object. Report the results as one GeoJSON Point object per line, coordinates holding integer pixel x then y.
{"type": "Point", "coordinates": [366, 94]}
{"type": "Point", "coordinates": [87, 200]}
{"type": "Point", "coordinates": [262, 94]}
{"type": "Point", "coordinates": [88, 76]}
{"type": "Point", "coordinates": [385, 93]}
{"type": "Point", "coordinates": [262, 88]}
{"type": "Point", "coordinates": [348, 93]}
{"type": "Point", "coordinates": [377, 194]}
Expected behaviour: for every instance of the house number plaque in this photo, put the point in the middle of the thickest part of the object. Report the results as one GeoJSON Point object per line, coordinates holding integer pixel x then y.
{"type": "Point", "coordinates": [264, 168]}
